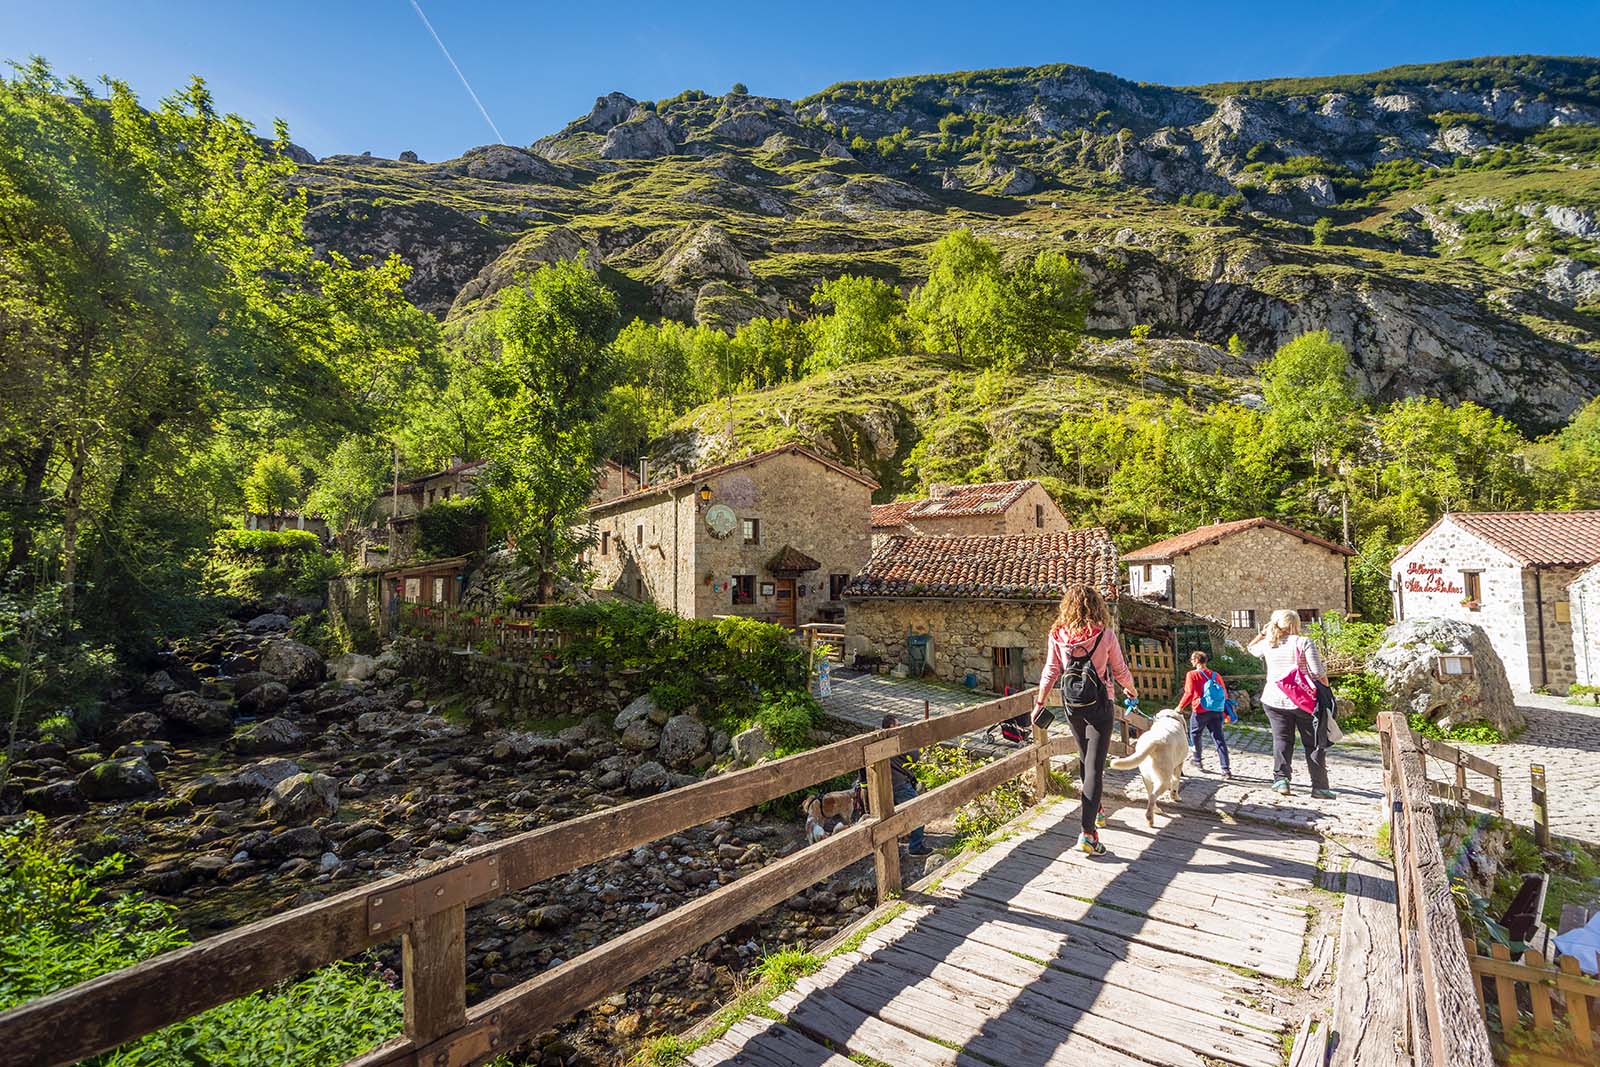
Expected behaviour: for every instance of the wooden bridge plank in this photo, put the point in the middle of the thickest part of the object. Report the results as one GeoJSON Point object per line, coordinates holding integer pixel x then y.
{"type": "Point", "coordinates": [764, 1043]}
{"type": "Point", "coordinates": [822, 1016]}
{"type": "Point", "coordinates": [1172, 1020]}
{"type": "Point", "coordinates": [1009, 1038]}
{"type": "Point", "coordinates": [1369, 1025]}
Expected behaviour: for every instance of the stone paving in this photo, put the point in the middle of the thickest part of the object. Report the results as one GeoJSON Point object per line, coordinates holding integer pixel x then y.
{"type": "Point", "coordinates": [1564, 737]}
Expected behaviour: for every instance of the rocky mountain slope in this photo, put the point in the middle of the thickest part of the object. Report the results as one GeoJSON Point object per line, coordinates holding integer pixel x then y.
{"type": "Point", "coordinates": [1463, 258]}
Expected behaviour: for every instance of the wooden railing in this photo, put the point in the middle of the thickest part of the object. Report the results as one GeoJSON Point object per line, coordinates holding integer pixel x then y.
{"type": "Point", "coordinates": [1457, 792]}
{"type": "Point", "coordinates": [1445, 1025]}
{"type": "Point", "coordinates": [512, 636]}
{"type": "Point", "coordinates": [427, 908]}
{"type": "Point", "coordinates": [1558, 997]}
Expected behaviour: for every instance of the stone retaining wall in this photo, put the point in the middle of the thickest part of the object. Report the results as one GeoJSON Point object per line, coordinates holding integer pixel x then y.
{"type": "Point", "coordinates": [354, 606]}
{"type": "Point", "coordinates": [526, 689]}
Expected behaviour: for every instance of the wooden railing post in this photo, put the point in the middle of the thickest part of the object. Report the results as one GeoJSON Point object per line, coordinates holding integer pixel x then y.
{"type": "Point", "coordinates": [1041, 769]}
{"type": "Point", "coordinates": [880, 802]}
{"type": "Point", "coordinates": [435, 959]}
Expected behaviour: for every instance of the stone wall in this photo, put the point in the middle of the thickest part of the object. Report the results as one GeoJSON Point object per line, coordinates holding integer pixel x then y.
{"type": "Point", "coordinates": [525, 689]}
{"type": "Point", "coordinates": [1021, 519]}
{"type": "Point", "coordinates": [1258, 570]}
{"type": "Point", "coordinates": [638, 551]}
{"type": "Point", "coordinates": [1584, 593]}
{"type": "Point", "coordinates": [1551, 662]}
{"type": "Point", "coordinates": [1429, 583]}
{"type": "Point", "coordinates": [354, 609]}
{"type": "Point", "coordinates": [965, 633]}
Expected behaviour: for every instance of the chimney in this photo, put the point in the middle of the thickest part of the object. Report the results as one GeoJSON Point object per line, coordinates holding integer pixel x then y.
{"type": "Point", "coordinates": [939, 490]}
{"type": "Point", "coordinates": [455, 461]}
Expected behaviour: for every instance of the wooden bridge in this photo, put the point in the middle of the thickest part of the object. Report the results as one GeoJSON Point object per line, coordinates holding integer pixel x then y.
{"type": "Point", "coordinates": [1180, 948]}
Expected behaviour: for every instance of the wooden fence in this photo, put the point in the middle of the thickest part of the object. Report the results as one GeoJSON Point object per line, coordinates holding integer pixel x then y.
{"type": "Point", "coordinates": [427, 908]}
{"type": "Point", "coordinates": [1152, 666]}
{"type": "Point", "coordinates": [1558, 997]}
{"type": "Point", "coordinates": [1445, 1025]}
{"type": "Point", "coordinates": [1457, 791]}
{"type": "Point", "coordinates": [509, 636]}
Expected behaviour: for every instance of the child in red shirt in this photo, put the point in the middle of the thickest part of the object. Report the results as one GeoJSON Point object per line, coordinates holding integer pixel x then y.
{"type": "Point", "coordinates": [1204, 720]}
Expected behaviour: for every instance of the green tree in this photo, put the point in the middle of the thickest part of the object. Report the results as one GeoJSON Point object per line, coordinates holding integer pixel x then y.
{"type": "Point", "coordinates": [1235, 345]}
{"type": "Point", "coordinates": [1046, 303]}
{"type": "Point", "coordinates": [1566, 464]}
{"type": "Point", "coordinates": [740, 89]}
{"type": "Point", "coordinates": [274, 486]}
{"type": "Point", "coordinates": [1139, 333]}
{"type": "Point", "coordinates": [866, 321]}
{"type": "Point", "coordinates": [960, 307]}
{"type": "Point", "coordinates": [1320, 231]}
{"type": "Point", "coordinates": [553, 371]}
{"type": "Point", "coordinates": [349, 483]}
{"type": "Point", "coordinates": [1312, 402]}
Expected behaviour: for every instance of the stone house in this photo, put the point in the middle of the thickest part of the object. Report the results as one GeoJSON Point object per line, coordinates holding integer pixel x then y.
{"type": "Point", "coordinates": [1241, 572]}
{"type": "Point", "coordinates": [612, 480]}
{"type": "Point", "coordinates": [1017, 508]}
{"type": "Point", "coordinates": [1584, 595]}
{"type": "Point", "coordinates": [289, 520]}
{"type": "Point", "coordinates": [774, 536]}
{"type": "Point", "coordinates": [1509, 573]}
{"type": "Point", "coordinates": [983, 604]}
{"type": "Point", "coordinates": [410, 497]}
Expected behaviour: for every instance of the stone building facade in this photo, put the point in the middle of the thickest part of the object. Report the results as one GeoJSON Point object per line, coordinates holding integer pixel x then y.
{"type": "Point", "coordinates": [410, 497]}
{"type": "Point", "coordinates": [1018, 509]}
{"type": "Point", "coordinates": [1584, 595]}
{"type": "Point", "coordinates": [775, 536]}
{"type": "Point", "coordinates": [1511, 574]}
{"type": "Point", "coordinates": [983, 604]}
{"type": "Point", "coordinates": [612, 480]}
{"type": "Point", "coordinates": [1241, 572]}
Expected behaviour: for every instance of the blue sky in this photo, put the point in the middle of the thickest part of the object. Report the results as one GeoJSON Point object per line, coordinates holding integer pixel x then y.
{"type": "Point", "coordinates": [364, 75]}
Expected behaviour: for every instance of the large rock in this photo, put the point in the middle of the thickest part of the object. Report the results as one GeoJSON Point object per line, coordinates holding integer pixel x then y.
{"type": "Point", "coordinates": [295, 665]}
{"type": "Point", "coordinates": [352, 667]}
{"type": "Point", "coordinates": [139, 726]}
{"type": "Point", "coordinates": [641, 736]}
{"type": "Point", "coordinates": [118, 779]}
{"type": "Point", "coordinates": [649, 777]}
{"type": "Point", "coordinates": [265, 699]}
{"type": "Point", "coordinates": [268, 735]}
{"type": "Point", "coordinates": [645, 137]}
{"type": "Point", "coordinates": [682, 739]}
{"type": "Point", "coordinates": [57, 798]}
{"type": "Point", "coordinates": [1406, 662]}
{"type": "Point", "coordinates": [197, 715]}
{"type": "Point", "coordinates": [751, 746]}
{"type": "Point", "coordinates": [252, 780]}
{"type": "Point", "coordinates": [641, 707]}
{"type": "Point", "coordinates": [271, 622]}
{"type": "Point", "coordinates": [299, 799]}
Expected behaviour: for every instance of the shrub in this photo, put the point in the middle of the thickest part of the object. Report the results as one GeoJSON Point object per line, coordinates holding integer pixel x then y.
{"type": "Point", "coordinates": [1320, 231]}
{"type": "Point", "coordinates": [59, 728]}
{"type": "Point", "coordinates": [57, 929]}
{"type": "Point", "coordinates": [675, 695]}
{"type": "Point", "coordinates": [1367, 697]}
{"type": "Point", "coordinates": [1346, 646]}
{"type": "Point", "coordinates": [787, 718]}
{"type": "Point", "coordinates": [979, 818]}
{"type": "Point", "coordinates": [1473, 732]}
{"type": "Point", "coordinates": [258, 564]}
{"type": "Point", "coordinates": [451, 527]}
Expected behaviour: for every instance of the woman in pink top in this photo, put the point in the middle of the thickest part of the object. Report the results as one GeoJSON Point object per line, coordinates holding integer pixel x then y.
{"type": "Point", "coordinates": [1084, 653]}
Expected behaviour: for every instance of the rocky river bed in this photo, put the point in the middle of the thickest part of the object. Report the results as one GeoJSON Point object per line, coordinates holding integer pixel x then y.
{"type": "Point", "coordinates": [249, 775]}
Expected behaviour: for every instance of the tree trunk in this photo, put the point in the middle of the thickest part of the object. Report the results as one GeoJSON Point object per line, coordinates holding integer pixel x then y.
{"type": "Point", "coordinates": [29, 506]}
{"type": "Point", "coordinates": [71, 506]}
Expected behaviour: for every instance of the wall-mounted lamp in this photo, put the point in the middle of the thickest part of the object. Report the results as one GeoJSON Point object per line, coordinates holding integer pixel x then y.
{"type": "Point", "coordinates": [705, 493]}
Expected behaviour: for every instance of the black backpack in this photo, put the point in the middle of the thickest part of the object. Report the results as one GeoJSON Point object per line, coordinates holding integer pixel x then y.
{"type": "Point", "coordinates": [1082, 687]}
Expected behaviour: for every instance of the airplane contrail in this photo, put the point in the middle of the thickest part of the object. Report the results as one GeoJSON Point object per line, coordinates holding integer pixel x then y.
{"type": "Point", "coordinates": [465, 84]}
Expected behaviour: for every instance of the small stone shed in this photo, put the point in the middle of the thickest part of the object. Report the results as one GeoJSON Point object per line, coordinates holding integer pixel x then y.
{"type": "Point", "coordinates": [984, 603]}
{"type": "Point", "coordinates": [1510, 573]}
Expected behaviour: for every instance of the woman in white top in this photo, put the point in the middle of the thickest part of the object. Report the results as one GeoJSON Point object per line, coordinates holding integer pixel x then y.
{"type": "Point", "coordinates": [1280, 645]}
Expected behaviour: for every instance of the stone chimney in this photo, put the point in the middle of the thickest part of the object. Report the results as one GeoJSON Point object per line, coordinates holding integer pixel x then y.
{"type": "Point", "coordinates": [939, 490]}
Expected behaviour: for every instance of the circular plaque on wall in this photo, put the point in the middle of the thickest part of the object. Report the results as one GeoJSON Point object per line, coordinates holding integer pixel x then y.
{"type": "Point", "coordinates": [720, 519]}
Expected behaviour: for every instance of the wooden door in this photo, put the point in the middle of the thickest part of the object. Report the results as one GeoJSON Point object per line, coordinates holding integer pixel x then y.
{"type": "Point", "coordinates": [783, 592]}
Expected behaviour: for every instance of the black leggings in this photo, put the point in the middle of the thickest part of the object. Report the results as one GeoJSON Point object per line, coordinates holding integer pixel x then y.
{"type": "Point", "coordinates": [1286, 722]}
{"type": "Point", "coordinates": [1092, 730]}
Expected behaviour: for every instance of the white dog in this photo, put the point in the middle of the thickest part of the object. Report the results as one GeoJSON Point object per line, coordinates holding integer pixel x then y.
{"type": "Point", "coordinates": [1159, 754]}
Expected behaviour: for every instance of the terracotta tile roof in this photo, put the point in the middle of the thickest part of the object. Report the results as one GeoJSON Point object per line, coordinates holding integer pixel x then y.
{"type": "Point", "coordinates": [994, 567]}
{"type": "Point", "coordinates": [1206, 535]}
{"type": "Point", "coordinates": [790, 560]}
{"type": "Point", "coordinates": [679, 482]}
{"type": "Point", "coordinates": [416, 484]}
{"type": "Point", "coordinates": [891, 516]}
{"type": "Point", "coordinates": [1538, 538]}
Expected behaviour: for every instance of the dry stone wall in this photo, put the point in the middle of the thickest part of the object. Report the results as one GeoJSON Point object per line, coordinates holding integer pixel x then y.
{"type": "Point", "coordinates": [965, 633]}
{"type": "Point", "coordinates": [524, 689]}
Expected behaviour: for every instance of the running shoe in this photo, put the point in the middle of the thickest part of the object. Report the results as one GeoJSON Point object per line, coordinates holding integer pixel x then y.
{"type": "Point", "coordinates": [1324, 794]}
{"type": "Point", "coordinates": [1281, 786]}
{"type": "Point", "coordinates": [1091, 845]}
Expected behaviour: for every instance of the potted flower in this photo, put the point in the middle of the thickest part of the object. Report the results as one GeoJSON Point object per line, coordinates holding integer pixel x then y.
{"type": "Point", "coordinates": [1469, 603]}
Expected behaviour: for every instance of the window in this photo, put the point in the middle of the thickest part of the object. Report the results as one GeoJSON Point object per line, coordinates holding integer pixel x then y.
{"type": "Point", "coordinates": [1308, 614]}
{"type": "Point", "coordinates": [438, 590]}
{"type": "Point", "coordinates": [752, 531]}
{"type": "Point", "coordinates": [836, 584]}
{"type": "Point", "coordinates": [445, 493]}
{"type": "Point", "coordinates": [638, 534]}
{"type": "Point", "coordinates": [605, 542]}
{"type": "Point", "coordinates": [1038, 515]}
{"type": "Point", "coordinates": [744, 589]}
{"type": "Point", "coordinates": [638, 589]}
{"type": "Point", "coordinates": [1472, 582]}
{"type": "Point", "coordinates": [1148, 570]}
{"type": "Point", "coordinates": [1244, 619]}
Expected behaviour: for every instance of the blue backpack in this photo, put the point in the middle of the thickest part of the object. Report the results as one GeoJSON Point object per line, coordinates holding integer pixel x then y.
{"type": "Point", "coordinates": [1213, 697]}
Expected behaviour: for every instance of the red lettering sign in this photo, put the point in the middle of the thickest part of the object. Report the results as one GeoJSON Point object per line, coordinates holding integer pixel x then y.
{"type": "Point", "coordinates": [1430, 579]}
